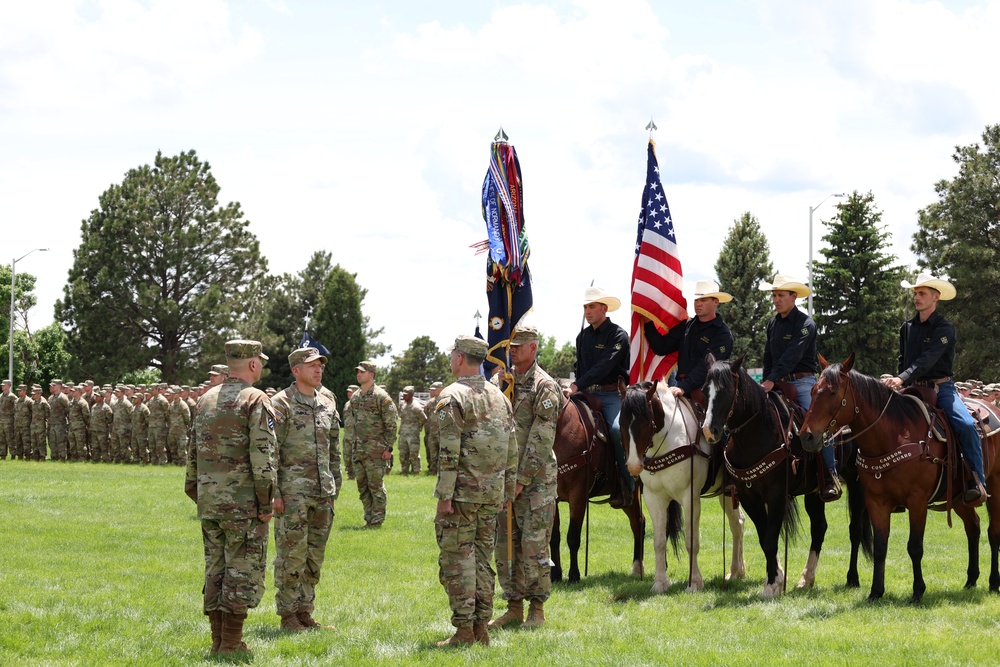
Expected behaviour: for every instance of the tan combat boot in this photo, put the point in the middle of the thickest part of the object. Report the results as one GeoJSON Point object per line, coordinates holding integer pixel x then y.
{"type": "Point", "coordinates": [306, 619]}
{"type": "Point", "coordinates": [215, 620]}
{"type": "Point", "coordinates": [536, 614]}
{"type": "Point", "coordinates": [481, 632]}
{"type": "Point", "coordinates": [232, 633]}
{"type": "Point", "coordinates": [461, 637]}
{"type": "Point", "coordinates": [514, 613]}
{"type": "Point", "coordinates": [291, 623]}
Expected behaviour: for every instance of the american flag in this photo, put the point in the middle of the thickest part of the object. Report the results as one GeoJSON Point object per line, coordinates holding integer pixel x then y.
{"type": "Point", "coordinates": [657, 279]}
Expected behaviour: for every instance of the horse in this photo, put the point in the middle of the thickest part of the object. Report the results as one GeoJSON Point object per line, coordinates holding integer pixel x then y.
{"type": "Point", "coordinates": [585, 469]}
{"type": "Point", "coordinates": [903, 465]}
{"type": "Point", "coordinates": [769, 468]}
{"type": "Point", "coordinates": [666, 452]}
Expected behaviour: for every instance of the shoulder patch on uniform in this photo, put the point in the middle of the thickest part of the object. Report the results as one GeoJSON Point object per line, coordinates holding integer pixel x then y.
{"type": "Point", "coordinates": [547, 403]}
{"type": "Point", "coordinates": [441, 415]}
{"type": "Point", "coordinates": [805, 331]}
{"type": "Point", "coordinates": [944, 340]}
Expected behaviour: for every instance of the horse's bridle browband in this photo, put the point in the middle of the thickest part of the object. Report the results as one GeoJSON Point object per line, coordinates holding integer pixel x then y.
{"type": "Point", "coordinates": [857, 410]}
{"type": "Point", "coordinates": [732, 404]}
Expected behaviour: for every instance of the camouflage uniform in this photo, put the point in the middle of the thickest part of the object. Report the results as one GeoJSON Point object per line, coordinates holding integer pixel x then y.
{"type": "Point", "coordinates": [177, 436]}
{"type": "Point", "coordinates": [230, 475]}
{"type": "Point", "coordinates": [101, 417]}
{"type": "Point", "coordinates": [476, 472]}
{"type": "Point", "coordinates": [537, 400]}
{"type": "Point", "coordinates": [348, 445]}
{"type": "Point", "coordinates": [121, 431]}
{"type": "Point", "coordinates": [140, 432]}
{"type": "Point", "coordinates": [22, 427]}
{"type": "Point", "coordinates": [370, 424]}
{"type": "Point", "coordinates": [307, 431]}
{"type": "Point", "coordinates": [431, 445]}
{"type": "Point", "coordinates": [58, 426]}
{"type": "Point", "coordinates": [411, 420]}
{"type": "Point", "coordinates": [79, 422]}
{"type": "Point", "coordinates": [7, 401]}
{"type": "Point", "coordinates": [159, 417]}
{"type": "Point", "coordinates": [40, 411]}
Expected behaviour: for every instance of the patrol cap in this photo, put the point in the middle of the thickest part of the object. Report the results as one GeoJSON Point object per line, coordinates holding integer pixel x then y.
{"type": "Point", "coordinates": [270, 391]}
{"type": "Point", "coordinates": [244, 349]}
{"type": "Point", "coordinates": [58, 382]}
{"type": "Point", "coordinates": [304, 355]}
{"type": "Point", "coordinates": [524, 335]}
{"type": "Point", "coordinates": [353, 387]}
{"type": "Point", "coordinates": [219, 369]}
{"type": "Point", "coordinates": [22, 387]}
{"type": "Point", "coordinates": [35, 389]}
{"type": "Point", "coordinates": [98, 394]}
{"type": "Point", "coordinates": [437, 385]}
{"type": "Point", "coordinates": [89, 383]}
{"type": "Point", "coordinates": [6, 381]}
{"type": "Point", "coordinates": [106, 387]}
{"type": "Point", "coordinates": [138, 397]}
{"type": "Point", "coordinates": [408, 389]}
{"type": "Point", "coordinates": [366, 366]}
{"type": "Point", "coordinates": [472, 346]}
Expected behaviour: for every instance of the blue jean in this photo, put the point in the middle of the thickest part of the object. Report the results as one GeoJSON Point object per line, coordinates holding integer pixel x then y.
{"type": "Point", "coordinates": [611, 407]}
{"type": "Point", "coordinates": [961, 422]}
{"type": "Point", "coordinates": [804, 388]}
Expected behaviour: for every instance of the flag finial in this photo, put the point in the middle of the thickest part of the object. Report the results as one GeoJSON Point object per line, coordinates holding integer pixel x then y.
{"type": "Point", "coordinates": [501, 135]}
{"type": "Point", "coordinates": [651, 126]}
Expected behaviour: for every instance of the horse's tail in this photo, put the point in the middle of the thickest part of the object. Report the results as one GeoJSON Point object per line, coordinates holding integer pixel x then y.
{"type": "Point", "coordinates": [675, 526]}
{"type": "Point", "coordinates": [791, 522]}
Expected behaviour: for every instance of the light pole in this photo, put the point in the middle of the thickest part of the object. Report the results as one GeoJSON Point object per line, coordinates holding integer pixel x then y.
{"type": "Point", "coordinates": [811, 210]}
{"type": "Point", "coordinates": [10, 341]}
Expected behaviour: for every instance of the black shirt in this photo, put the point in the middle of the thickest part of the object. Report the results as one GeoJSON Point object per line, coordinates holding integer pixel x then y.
{"type": "Point", "coordinates": [791, 345]}
{"type": "Point", "coordinates": [692, 340]}
{"type": "Point", "coordinates": [602, 355]}
{"type": "Point", "coordinates": [926, 349]}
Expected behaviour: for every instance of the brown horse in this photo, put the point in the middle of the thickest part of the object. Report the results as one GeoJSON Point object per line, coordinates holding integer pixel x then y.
{"type": "Point", "coordinates": [585, 472]}
{"type": "Point", "coordinates": [902, 465]}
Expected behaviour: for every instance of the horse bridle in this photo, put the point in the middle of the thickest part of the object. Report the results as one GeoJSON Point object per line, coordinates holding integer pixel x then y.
{"type": "Point", "coordinates": [665, 427]}
{"type": "Point", "coordinates": [843, 404]}
{"type": "Point", "coordinates": [732, 404]}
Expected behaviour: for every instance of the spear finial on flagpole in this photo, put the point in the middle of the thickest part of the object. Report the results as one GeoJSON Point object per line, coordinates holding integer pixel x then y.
{"type": "Point", "coordinates": [501, 135]}
{"type": "Point", "coordinates": [651, 126]}
{"type": "Point", "coordinates": [477, 316]}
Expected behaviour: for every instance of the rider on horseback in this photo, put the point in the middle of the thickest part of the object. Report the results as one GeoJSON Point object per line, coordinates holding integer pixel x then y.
{"type": "Point", "coordinates": [602, 356]}
{"type": "Point", "coordinates": [926, 355]}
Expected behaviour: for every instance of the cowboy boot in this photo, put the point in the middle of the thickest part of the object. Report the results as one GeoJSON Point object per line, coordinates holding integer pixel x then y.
{"type": "Point", "coordinates": [291, 623]}
{"type": "Point", "coordinates": [974, 494]}
{"type": "Point", "coordinates": [536, 614]}
{"type": "Point", "coordinates": [831, 486]}
{"type": "Point", "coordinates": [514, 613]}
{"type": "Point", "coordinates": [481, 632]}
{"type": "Point", "coordinates": [463, 635]}
{"type": "Point", "coordinates": [232, 633]}
{"type": "Point", "coordinates": [306, 619]}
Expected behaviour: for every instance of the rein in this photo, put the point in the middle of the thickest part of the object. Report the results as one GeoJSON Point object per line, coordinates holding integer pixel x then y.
{"type": "Point", "coordinates": [673, 456]}
{"type": "Point", "coordinates": [857, 410]}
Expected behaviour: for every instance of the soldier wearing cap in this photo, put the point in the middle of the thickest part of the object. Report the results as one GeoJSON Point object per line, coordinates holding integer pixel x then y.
{"type": "Point", "coordinates": [40, 411]}
{"type": "Point", "coordinates": [411, 421]}
{"type": "Point", "coordinates": [926, 355]}
{"type": "Point", "coordinates": [79, 424]}
{"type": "Point", "coordinates": [370, 424]}
{"type": "Point", "coordinates": [22, 424]}
{"type": "Point", "coordinates": [693, 340]}
{"type": "Point", "coordinates": [790, 355]}
{"type": "Point", "coordinates": [7, 400]}
{"type": "Point", "coordinates": [101, 416]}
{"type": "Point", "coordinates": [218, 374]}
{"type": "Point", "coordinates": [140, 429]}
{"type": "Point", "coordinates": [179, 424]}
{"type": "Point", "coordinates": [477, 471]}
{"type": "Point", "coordinates": [537, 403]}
{"type": "Point", "coordinates": [230, 475]}
{"type": "Point", "coordinates": [121, 426]}
{"type": "Point", "coordinates": [602, 358]}
{"type": "Point", "coordinates": [58, 421]}
{"type": "Point", "coordinates": [431, 440]}
{"type": "Point", "coordinates": [348, 445]}
{"type": "Point", "coordinates": [307, 457]}
{"type": "Point", "coordinates": [159, 424]}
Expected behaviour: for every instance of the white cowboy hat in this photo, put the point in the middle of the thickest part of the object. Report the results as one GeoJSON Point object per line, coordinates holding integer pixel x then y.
{"type": "Point", "coordinates": [707, 288]}
{"type": "Point", "coordinates": [787, 284]}
{"type": "Point", "coordinates": [946, 289]}
{"type": "Point", "coordinates": [598, 295]}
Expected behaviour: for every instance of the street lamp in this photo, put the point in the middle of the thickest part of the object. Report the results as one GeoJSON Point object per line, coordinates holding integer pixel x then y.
{"type": "Point", "coordinates": [10, 341]}
{"type": "Point", "coordinates": [811, 210]}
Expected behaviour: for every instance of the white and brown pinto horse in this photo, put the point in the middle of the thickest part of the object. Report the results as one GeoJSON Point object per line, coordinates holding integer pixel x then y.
{"type": "Point", "coordinates": [667, 452]}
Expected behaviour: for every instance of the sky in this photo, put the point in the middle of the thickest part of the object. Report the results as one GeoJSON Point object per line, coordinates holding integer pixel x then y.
{"type": "Point", "coordinates": [364, 129]}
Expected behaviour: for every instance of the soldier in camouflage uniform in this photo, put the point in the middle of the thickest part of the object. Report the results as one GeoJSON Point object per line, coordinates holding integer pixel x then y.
{"type": "Point", "coordinates": [370, 424]}
{"type": "Point", "coordinates": [190, 397]}
{"type": "Point", "coordinates": [307, 457]}
{"type": "Point", "coordinates": [40, 411]}
{"type": "Point", "coordinates": [180, 423]}
{"type": "Point", "coordinates": [476, 473]}
{"type": "Point", "coordinates": [121, 426]}
{"type": "Point", "coordinates": [140, 429]}
{"type": "Point", "coordinates": [159, 423]}
{"type": "Point", "coordinates": [58, 421]}
{"type": "Point", "coordinates": [79, 422]}
{"type": "Point", "coordinates": [411, 420]}
{"type": "Point", "coordinates": [218, 375]}
{"type": "Point", "coordinates": [22, 424]}
{"type": "Point", "coordinates": [230, 475]}
{"type": "Point", "coordinates": [537, 403]}
{"type": "Point", "coordinates": [430, 429]}
{"type": "Point", "coordinates": [7, 400]}
{"type": "Point", "coordinates": [348, 444]}
{"type": "Point", "coordinates": [101, 417]}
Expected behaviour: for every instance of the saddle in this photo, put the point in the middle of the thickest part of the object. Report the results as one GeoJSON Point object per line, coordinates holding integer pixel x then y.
{"type": "Point", "coordinates": [589, 407]}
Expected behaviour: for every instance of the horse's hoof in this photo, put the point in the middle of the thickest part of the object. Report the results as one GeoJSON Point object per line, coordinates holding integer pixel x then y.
{"type": "Point", "coordinates": [695, 587]}
{"type": "Point", "coordinates": [852, 583]}
{"type": "Point", "coordinates": [874, 597]}
{"type": "Point", "coordinates": [661, 586]}
{"type": "Point", "coordinates": [573, 579]}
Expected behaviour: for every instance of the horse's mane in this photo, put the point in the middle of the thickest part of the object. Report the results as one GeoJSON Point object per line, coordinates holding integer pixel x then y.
{"type": "Point", "coordinates": [871, 392]}
{"type": "Point", "coordinates": [635, 400]}
{"type": "Point", "coordinates": [755, 397]}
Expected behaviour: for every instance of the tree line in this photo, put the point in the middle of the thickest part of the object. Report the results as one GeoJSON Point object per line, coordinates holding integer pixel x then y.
{"type": "Point", "coordinates": [164, 274]}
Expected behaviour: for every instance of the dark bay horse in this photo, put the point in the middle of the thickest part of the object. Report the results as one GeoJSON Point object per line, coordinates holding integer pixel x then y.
{"type": "Point", "coordinates": [584, 473]}
{"type": "Point", "coordinates": [902, 465]}
{"type": "Point", "coordinates": [666, 450]}
{"type": "Point", "coordinates": [766, 460]}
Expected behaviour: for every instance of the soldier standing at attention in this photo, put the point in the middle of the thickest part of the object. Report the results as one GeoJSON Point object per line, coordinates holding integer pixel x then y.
{"type": "Point", "coordinates": [121, 427]}
{"type": "Point", "coordinates": [7, 400]}
{"type": "Point", "coordinates": [431, 445]}
{"type": "Point", "coordinates": [101, 417]}
{"type": "Point", "coordinates": [537, 402]}
{"type": "Point", "coordinates": [307, 458]}
{"type": "Point", "coordinates": [411, 420]}
{"type": "Point", "coordinates": [218, 375]}
{"type": "Point", "coordinates": [230, 475]}
{"type": "Point", "coordinates": [140, 429]}
{"type": "Point", "coordinates": [22, 424]}
{"type": "Point", "coordinates": [348, 445]}
{"type": "Point", "coordinates": [58, 421]}
{"type": "Point", "coordinates": [79, 423]}
{"type": "Point", "coordinates": [370, 423]}
{"type": "Point", "coordinates": [159, 422]}
{"type": "Point", "coordinates": [180, 422]}
{"type": "Point", "coordinates": [476, 473]}
{"type": "Point", "coordinates": [40, 411]}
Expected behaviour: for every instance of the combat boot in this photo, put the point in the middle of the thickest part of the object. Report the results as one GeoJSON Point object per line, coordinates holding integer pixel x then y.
{"type": "Point", "coordinates": [291, 623]}
{"type": "Point", "coordinates": [310, 623]}
{"type": "Point", "coordinates": [536, 614]}
{"type": "Point", "coordinates": [481, 632]}
{"type": "Point", "coordinates": [232, 633]}
{"type": "Point", "coordinates": [215, 620]}
{"type": "Point", "coordinates": [514, 613]}
{"type": "Point", "coordinates": [462, 636]}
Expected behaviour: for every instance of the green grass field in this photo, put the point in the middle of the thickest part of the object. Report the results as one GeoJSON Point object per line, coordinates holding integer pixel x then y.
{"type": "Point", "coordinates": [102, 565]}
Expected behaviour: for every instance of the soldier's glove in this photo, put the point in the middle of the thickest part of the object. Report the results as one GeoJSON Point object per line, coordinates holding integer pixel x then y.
{"type": "Point", "coordinates": [191, 489]}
